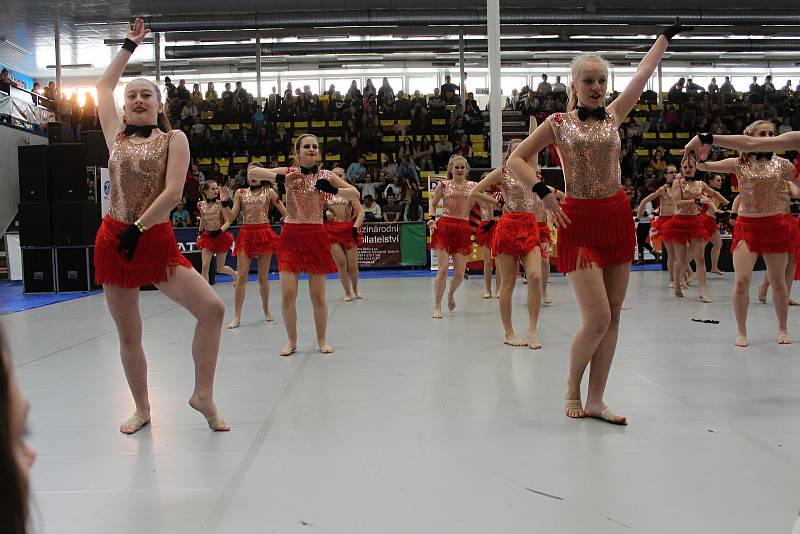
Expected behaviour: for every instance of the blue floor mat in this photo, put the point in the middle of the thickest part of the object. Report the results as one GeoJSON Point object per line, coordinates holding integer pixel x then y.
{"type": "Point", "coordinates": [13, 300]}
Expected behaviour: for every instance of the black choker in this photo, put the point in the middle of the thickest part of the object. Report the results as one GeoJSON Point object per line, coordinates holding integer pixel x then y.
{"type": "Point", "coordinates": [256, 187]}
{"type": "Point", "coordinates": [144, 131]}
{"type": "Point", "coordinates": [596, 113]}
{"type": "Point", "coordinates": [763, 155]}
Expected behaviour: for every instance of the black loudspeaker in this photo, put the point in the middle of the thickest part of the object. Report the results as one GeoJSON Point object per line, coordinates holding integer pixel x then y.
{"type": "Point", "coordinates": [38, 270]}
{"type": "Point", "coordinates": [59, 132]}
{"type": "Point", "coordinates": [35, 226]}
{"type": "Point", "coordinates": [75, 269]}
{"type": "Point", "coordinates": [96, 148]}
{"type": "Point", "coordinates": [75, 223]}
{"type": "Point", "coordinates": [34, 173]}
{"type": "Point", "coordinates": [68, 171]}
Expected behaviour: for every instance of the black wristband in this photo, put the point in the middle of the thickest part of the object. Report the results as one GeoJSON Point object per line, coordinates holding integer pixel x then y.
{"type": "Point", "coordinates": [129, 45]}
{"type": "Point", "coordinates": [541, 189]}
{"type": "Point", "coordinates": [697, 201]}
{"type": "Point", "coordinates": [706, 138]}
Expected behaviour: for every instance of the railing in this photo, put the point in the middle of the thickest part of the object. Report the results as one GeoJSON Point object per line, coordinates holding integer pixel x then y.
{"type": "Point", "coordinates": [23, 109]}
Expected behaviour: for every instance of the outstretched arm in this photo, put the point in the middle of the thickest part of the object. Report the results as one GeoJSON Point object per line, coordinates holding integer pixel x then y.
{"type": "Point", "coordinates": [477, 194]}
{"type": "Point", "coordinates": [726, 166]}
{"type": "Point", "coordinates": [649, 198]}
{"type": "Point", "coordinates": [715, 195]}
{"type": "Point", "coordinates": [745, 143]}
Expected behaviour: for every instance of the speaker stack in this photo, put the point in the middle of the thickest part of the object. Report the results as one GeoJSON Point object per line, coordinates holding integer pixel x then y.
{"type": "Point", "coordinates": [59, 215]}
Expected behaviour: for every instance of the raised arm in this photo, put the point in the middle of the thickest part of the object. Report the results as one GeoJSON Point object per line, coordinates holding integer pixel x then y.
{"type": "Point", "coordinates": [624, 103]}
{"type": "Point", "coordinates": [744, 143]}
{"type": "Point", "coordinates": [177, 163]}
{"type": "Point", "coordinates": [477, 194]}
{"type": "Point", "coordinates": [345, 189]}
{"type": "Point", "coordinates": [234, 211]}
{"type": "Point", "coordinates": [649, 198]}
{"type": "Point", "coordinates": [727, 166]}
{"type": "Point", "coordinates": [106, 107]}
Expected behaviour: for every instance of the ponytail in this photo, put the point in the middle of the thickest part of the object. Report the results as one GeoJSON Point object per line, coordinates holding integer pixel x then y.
{"type": "Point", "coordinates": [572, 103]}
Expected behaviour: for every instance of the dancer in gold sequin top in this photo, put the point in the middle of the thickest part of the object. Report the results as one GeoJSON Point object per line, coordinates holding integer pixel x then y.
{"type": "Point", "coordinates": [762, 226]}
{"type": "Point", "coordinates": [596, 237]}
{"type": "Point", "coordinates": [343, 224]}
{"type": "Point", "coordinates": [212, 239]}
{"type": "Point", "coordinates": [666, 209]}
{"type": "Point", "coordinates": [135, 244]}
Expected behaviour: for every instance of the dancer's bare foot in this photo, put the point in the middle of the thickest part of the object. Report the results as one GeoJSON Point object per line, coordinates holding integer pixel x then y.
{"type": "Point", "coordinates": [573, 409]}
{"type": "Point", "coordinates": [235, 323]}
{"type": "Point", "coordinates": [533, 342]}
{"type": "Point", "coordinates": [288, 350]}
{"type": "Point", "coordinates": [134, 423]}
{"type": "Point", "coordinates": [359, 296]}
{"type": "Point", "coordinates": [602, 411]}
{"type": "Point", "coordinates": [671, 285]}
{"type": "Point", "coordinates": [793, 303]}
{"type": "Point", "coordinates": [348, 298]}
{"type": "Point", "coordinates": [487, 295]}
{"type": "Point", "coordinates": [324, 348]}
{"type": "Point", "coordinates": [209, 411]}
{"type": "Point", "coordinates": [437, 314]}
{"type": "Point", "coordinates": [451, 301]}
{"type": "Point", "coordinates": [784, 339]}
{"type": "Point", "coordinates": [705, 298]}
{"type": "Point", "coordinates": [513, 340]}
{"type": "Point", "coordinates": [741, 341]}
{"type": "Point", "coordinates": [678, 291]}
{"type": "Point", "coordinates": [716, 271]}
{"type": "Point", "coordinates": [268, 317]}
{"type": "Point", "coordinates": [762, 295]}
{"type": "Point", "coordinates": [547, 300]}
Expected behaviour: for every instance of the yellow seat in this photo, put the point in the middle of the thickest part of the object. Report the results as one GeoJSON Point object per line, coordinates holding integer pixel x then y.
{"type": "Point", "coordinates": [233, 126]}
{"type": "Point", "coordinates": [335, 124]}
{"type": "Point", "coordinates": [241, 159]}
{"type": "Point", "coordinates": [204, 161]}
{"type": "Point", "coordinates": [260, 159]}
{"type": "Point", "coordinates": [247, 125]}
{"type": "Point", "coordinates": [642, 152]}
{"type": "Point", "coordinates": [666, 135]}
{"type": "Point", "coordinates": [216, 127]}
{"type": "Point", "coordinates": [223, 170]}
{"type": "Point", "coordinates": [300, 124]}
{"type": "Point", "coordinates": [438, 122]}
{"type": "Point", "coordinates": [318, 124]}
{"type": "Point", "coordinates": [676, 152]}
{"type": "Point", "coordinates": [682, 135]}
{"type": "Point", "coordinates": [404, 122]}
{"type": "Point", "coordinates": [332, 157]}
{"type": "Point", "coordinates": [650, 135]}
{"type": "Point", "coordinates": [387, 122]}
{"type": "Point", "coordinates": [389, 138]}
{"type": "Point", "coordinates": [371, 157]}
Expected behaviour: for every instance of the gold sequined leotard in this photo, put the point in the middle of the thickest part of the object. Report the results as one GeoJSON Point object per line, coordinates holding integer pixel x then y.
{"type": "Point", "coordinates": [690, 190]}
{"type": "Point", "coordinates": [342, 209]}
{"type": "Point", "coordinates": [487, 210]}
{"type": "Point", "coordinates": [255, 205]}
{"type": "Point", "coordinates": [761, 186]}
{"type": "Point", "coordinates": [455, 199]}
{"type": "Point", "coordinates": [667, 202]}
{"type": "Point", "coordinates": [211, 213]}
{"type": "Point", "coordinates": [304, 203]}
{"type": "Point", "coordinates": [589, 155]}
{"type": "Point", "coordinates": [518, 195]}
{"type": "Point", "coordinates": [138, 174]}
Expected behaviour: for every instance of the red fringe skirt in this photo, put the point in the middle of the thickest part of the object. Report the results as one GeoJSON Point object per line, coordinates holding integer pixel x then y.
{"type": "Point", "coordinates": [484, 235]}
{"type": "Point", "coordinates": [305, 248]}
{"type": "Point", "coordinates": [658, 225]}
{"type": "Point", "coordinates": [342, 233]}
{"type": "Point", "coordinates": [221, 243]}
{"type": "Point", "coordinates": [602, 232]}
{"type": "Point", "coordinates": [517, 234]}
{"type": "Point", "coordinates": [796, 246]}
{"type": "Point", "coordinates": [255, 240]}
{"type": "Point", "coordinates": [765, 235]}
{"type": "Point", "coordinates": [683, 228]}
{"type": "Point", "coordinates": [155, 260]}
{"type": "Point", "coordinates": [710, 226]}
{"type": "Point", "coordinates": [545, 238]}
{"type": "Point", "coordinates": [453, 235]}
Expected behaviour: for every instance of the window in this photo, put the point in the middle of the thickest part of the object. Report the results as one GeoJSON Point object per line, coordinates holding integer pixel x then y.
{"type": "Point", "coordinates": [423, 84]}
{"type": "Point", "coordinates": [476, 82]}
{"type": "Point", "coordinates": [313, 84]}
{"type": "Point", "coordinates": [508, 83]}
{"type": "Point", "coordinates": [342, 84]}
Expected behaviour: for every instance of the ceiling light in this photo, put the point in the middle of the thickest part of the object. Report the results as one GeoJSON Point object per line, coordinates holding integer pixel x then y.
{"type": "Point", "coordinates": [14, 46]}
{"type": "Point", "coordinates": [74, 66]}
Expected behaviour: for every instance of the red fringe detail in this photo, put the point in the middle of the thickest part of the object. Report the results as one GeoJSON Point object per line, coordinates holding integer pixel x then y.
{"type": "Point", "coordinates": [221, 243]}
{"type": "Point", "coordinates": [658, 225]}
{"type": "Point", "coordinates": [342, 233]}
{"type": "Point", "coordinates": [484, 235]}
{"type": "Point", "coordinates": [256, 240]}
{"type": "Point", "coordinates": [683, 228]}
{"type": "Point", "coordinates": [765, 235]}
{"type": "Point", "coordinates": [156, 258]}
{"type": "Point", "coordinates": [453, 235]}
{"type": "Point", "coordinates": [796, 246]}
{"type": "Point", "coordinates": [710, 226]}
{"type": "Point", "coordinates": [545, 238]}
{"type": "Point", "coordinates": [602, 233]}
{"type": "Point", "coordinates": [305, 248]}
{"type": "Point", "coordinates": [517, 234]}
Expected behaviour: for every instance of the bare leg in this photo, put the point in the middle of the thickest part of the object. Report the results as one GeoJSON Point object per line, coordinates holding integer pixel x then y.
{"type": "Point", "coordinates": [187, 288]}
{"type": "Point", "coordinates": [352, 269]}
{"type": "Point", "coordinates": [242, 272]}
{"type": "Point", "coordinates": [289, 282]}
{"type": "Point", "coordinates": [790, 278]}
{"type": "Point", "coordinates": [224, 269]}
{"type": "Point", "coordinates": [263, 284]}
{"type": "Point", "coordinates": [487, 272]}
{"type": "Point", "coordinates": [545, 270]}
{"type": "Point", "coordinates": [340, 259]}
{"type": "Point", "coordinates": [123, 303]}
{"type": "Point", "coordinates": [776, 270]}
{"type": "Point", "coordinates": [533, 266]}
{"type": "Point", "coordinates": [716, 248]}
{"type": "Point", "coordinates": [316, 287]}
{"type": "Point", "coordinates": [743, 262]}
{"type": "Point", "coordinates": [459, 266]}
{"type": "Point", "coordinates": [205, 256]}
{"type": "Point", "coordinates": [681, 264]}
{"type": "Point", "coordinates": [507, 266]}
{"type": "Point", "coordinates": [616, 285]}
{"type": "Point", "coordinates": [670, 263]}
{"type": "Point", "coordinates": [440, 282]}
{"type": "Point", "coordinates": [763, 288]}
{"type": "Point", "coordinates": [697, 249]}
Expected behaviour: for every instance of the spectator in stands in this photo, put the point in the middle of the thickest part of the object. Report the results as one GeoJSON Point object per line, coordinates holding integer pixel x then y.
{"type": "Point", "coordinates": [633, 131]}
{"type": "Point", "coordinates": [464, 147]}
{"type": "Point", "coordinates": [423, 154]}
{"type": "Point", "coordinates": [406, 169]}
{"type": "Point", "coordinates": [410, 191]}
{"type": "Point", "coordinates": [421, 121]}
{"type": "Point", "coordinates": [211, 93]}
{"type": "Point", "coordinates": [675, 93]}
{"type": "Point", "coordinates": [189, 112]}
{"type": "Point", "coordinates": [713, 89]}
{"type": "Point", "coordinates": [473, 118]}
{"type": "Point", "coordinates": [369, 188]}
{"type": "Point", "coordinates": [182, 92]}
{"type": "Point", "coordinates": [673, 119]}
{"type": "Point", "coordinates": [369, 89]}
{"type": "Point", "coordinates": [727, 90]}
{"type": "Point", "coordinates": [402, 106]}
{"type": "Point", "coordinates": [658, 164]}
{"type": "Point", "coordinates": [449, 91]}
{"type": "Point", "coordinates": [689, 115]}
{"type": "Point", "coordinates": [657, 123]}
{"type": "Point", "coordinates": [559, 87]}
{"type": "Point", "coordinates": [351, 152]}
{"type": "Point", "coordinates": [443, 149]}
{"type": "Point", "coordinates": [353, 96]}
{"type": "Point", "coordinates": [89, 114]}
{"type": "Point", "coordinates": [197, 95]}
{"type": "Point", "coordinates": [357, 170]}
{"type": "Point", "coordinates": [413, 211]}
{"type": "Point", "coordinates": [544, 86]}
{"type": "Point", "coordinates": [392, 212]}
{"type": "Point", "coordinates": [768, 88]}
{"type": "Point", "coordinates": [372, 212]}
{"type": "Point", "coordinates": [406, 148]}
{"type": "Point", "coordinates": [436, 104]}
{"type": "Point", "coordinates": [385, 93]}
{"type": "Point", "coordinates": [180, 216]}
{"type": "Point", "coordinates": [169, 88]}
{"type": "Point", "coordinates": [785, 126]}
{"type": "Point", "coordinates": [755, 89]}
{"type": "Point", "coordinates": [50, 91]}
{"type": "Point", "coordinates": [389, 170]}
{"type": "Point", "coordinates": [75, 115]}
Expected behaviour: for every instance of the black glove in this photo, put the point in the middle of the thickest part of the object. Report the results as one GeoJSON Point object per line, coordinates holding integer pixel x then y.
{"type": "Point", "coordinates": [128, 241]}
{"type": "Point", "coordinates": [228, 203]}
{"type": "Point", "coordinates": [214, 233]}
{"type": "Point", "coordinates": [675, 29]}
{"type": "Point", "coordinates": [325, 185]}
{"type": "Point", "coordinates": [488, 225]}
{"type": "Point", "coordinates": [355, 234]}
{"type": "Point", "coordinates": [497, 213]}
{"type": "Point", "coordinates": [733, 216]}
